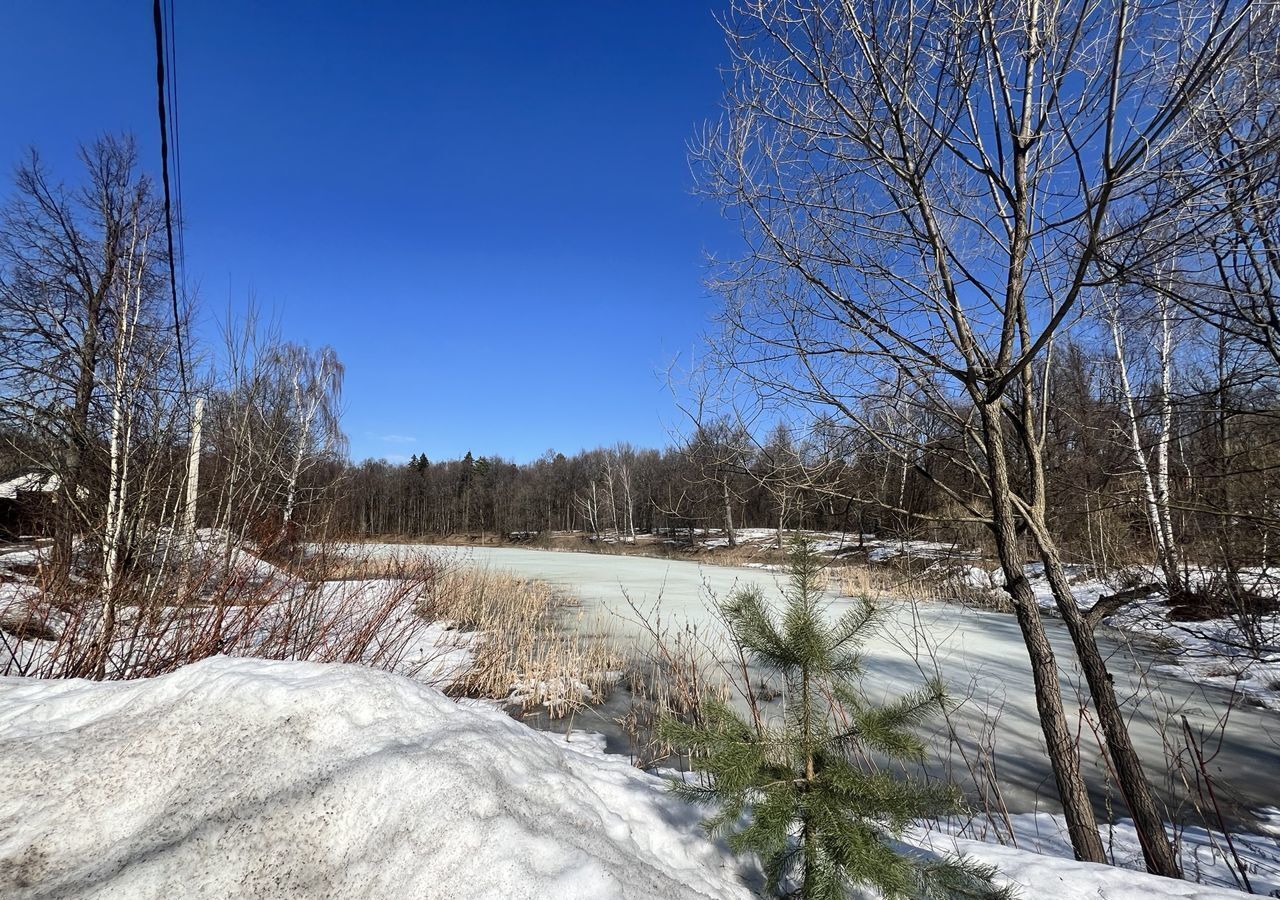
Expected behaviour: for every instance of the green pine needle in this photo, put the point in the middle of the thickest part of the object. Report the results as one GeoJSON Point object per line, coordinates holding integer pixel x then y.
{"type": "Point", "coordinates": [799, 796]}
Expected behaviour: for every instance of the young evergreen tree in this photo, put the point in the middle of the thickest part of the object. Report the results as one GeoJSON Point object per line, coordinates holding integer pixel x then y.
{"type": "Point", "coordinates": [805, 794]}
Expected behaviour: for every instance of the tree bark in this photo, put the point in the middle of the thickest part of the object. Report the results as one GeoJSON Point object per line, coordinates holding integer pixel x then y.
{"type": "Point", "coordinates": [728, 512]}
{"type": "Point", "coordinates": [1064, 754]}
{"type": "Point", "coordinates": [1130, 776]}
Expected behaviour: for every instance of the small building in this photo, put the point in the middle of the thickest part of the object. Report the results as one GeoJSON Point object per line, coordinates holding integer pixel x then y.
{"type": "Point", "coordinates": [25, 498]}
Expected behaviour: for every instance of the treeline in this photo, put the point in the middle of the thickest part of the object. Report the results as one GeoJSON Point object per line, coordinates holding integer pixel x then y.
{"type": "Point", "coordinates": [717, 481]}
{"type": "Point", "coordinates": [1146, 440]}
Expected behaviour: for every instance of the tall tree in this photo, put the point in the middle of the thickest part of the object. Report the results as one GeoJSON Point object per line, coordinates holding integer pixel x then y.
{"type": "Point", "coordinates": [69, 257]}
{"type": "Point", "coordinates": [930, 191]}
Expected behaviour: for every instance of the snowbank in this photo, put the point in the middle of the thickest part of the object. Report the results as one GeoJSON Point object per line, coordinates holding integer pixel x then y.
{"type": "Point", "coordinates": [1210, 865]}
{"type": "Point", "coordinates": [247, 778]}
{"type": "Point", "coordinates": [1060, 878]}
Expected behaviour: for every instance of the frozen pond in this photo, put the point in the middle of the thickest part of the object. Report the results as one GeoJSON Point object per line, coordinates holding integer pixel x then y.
{"type": "Point", "coordinates": [979, 654]}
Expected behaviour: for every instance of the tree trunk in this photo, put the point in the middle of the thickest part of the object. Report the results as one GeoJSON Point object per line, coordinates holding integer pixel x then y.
{"type": "Point", "coordinates": [1064, 755]}
{"type": "Point", "coordinates": [1132, 780]}
{"type": "Point", "coordinates": [1171, 562]}
{"type": "Point", "coordinates": [193, 473]}
{"type": "Point", "coordinates": [1155, 477]}
{"type": "Point", "coordinates": [1148, 821]}
{"type": "Point", "coordinates": [728, 513]}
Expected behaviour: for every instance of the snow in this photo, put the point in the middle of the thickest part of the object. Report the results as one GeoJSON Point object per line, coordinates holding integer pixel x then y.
{"type": "Point", "coordinates": [1065, 879]}
{"type": "Point", "coordinates": [234, 777]}
{"type": "Point", "coordinates": [252, 778]}
{"type": "Point", "coordinates": [29, 482]}
{"type": "Point", "coordinates": [1210, 652]}
{"type": "Point", "coordinates": [1036, 850]}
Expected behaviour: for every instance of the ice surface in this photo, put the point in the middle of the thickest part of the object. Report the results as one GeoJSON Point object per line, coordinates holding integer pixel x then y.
{"type": "Point", "coordinates": [979, 654]}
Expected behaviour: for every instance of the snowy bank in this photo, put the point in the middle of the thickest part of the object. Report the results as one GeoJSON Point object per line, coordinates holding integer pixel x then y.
{"type": "Point", "coordinates": [248, 778]}
{"type": "Point", "coordinates": [251, 778]}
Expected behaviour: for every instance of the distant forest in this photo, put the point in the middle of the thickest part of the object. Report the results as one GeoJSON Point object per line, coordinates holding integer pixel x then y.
{"type": "Point", "coordinates": [1104, 439]}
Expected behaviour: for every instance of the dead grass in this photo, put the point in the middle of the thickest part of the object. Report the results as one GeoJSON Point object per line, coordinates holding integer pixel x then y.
{"type": "Point", "coordinates": [333, 605]}
{"type": "Point", "coordinates": [159, 619]}
{"type": "Point", "coordinates": [526, 652]}
{"type": "Point", "coordinates": [674, 671]}
{"type": "Point", "coordinates": [326, 565]}
{"type": "Point", "coordinates": [880, 583]}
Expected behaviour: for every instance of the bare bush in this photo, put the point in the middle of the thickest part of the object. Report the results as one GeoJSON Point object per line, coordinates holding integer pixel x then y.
{"type": "Point", "coordinates": [166, 617]}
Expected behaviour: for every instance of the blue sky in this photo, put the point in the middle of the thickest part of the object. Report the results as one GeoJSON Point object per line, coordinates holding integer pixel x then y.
{"type": "Point", "coordinates": [485, 208]}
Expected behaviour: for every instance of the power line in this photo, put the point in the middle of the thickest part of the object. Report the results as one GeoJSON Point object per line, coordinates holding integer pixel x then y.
{"type": "Point", "coordinates": [158, 19]}
{"type": "Point", "coordinates": [179, 206]}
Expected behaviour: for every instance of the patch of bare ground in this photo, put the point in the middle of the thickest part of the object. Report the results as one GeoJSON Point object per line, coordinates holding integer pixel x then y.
{"type": "Point", "coordinates": [1218, 599]}
{"type": "Point", "coordinates": [23, 624]}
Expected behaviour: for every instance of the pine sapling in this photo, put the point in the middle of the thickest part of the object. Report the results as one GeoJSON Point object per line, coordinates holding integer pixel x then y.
{"type": "Point", "coordinates": [805, 793]}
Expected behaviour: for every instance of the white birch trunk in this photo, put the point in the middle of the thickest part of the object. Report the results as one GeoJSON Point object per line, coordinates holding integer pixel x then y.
{"type": "Point", "coordinates": [193, 473]}
{"type": "Point", "coordinates": [1155, 479]}
{"type": "Point", "coordinates": [118, 467]}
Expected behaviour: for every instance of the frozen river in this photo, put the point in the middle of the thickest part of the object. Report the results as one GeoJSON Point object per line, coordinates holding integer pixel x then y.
{"type": "Point", "coordinates": [980, 656]}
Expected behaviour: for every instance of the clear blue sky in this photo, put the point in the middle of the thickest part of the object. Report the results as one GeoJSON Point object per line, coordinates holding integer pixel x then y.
{"type": "Point", "coordinates": [485, 208]}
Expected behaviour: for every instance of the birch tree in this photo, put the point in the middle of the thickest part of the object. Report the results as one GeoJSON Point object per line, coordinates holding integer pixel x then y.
{"type": "Point", "coordinates": [1153, 466]}
{"type": "Point", "coordinates": [314, 386]}
{"type": "Point", "coordinates": [126, 378]}
{"type": "Point", "coordinates": [62, 251]}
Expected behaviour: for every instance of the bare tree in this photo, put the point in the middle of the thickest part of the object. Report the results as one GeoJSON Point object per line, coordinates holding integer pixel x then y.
{"type": "Point", "coordinates": [931, 191]}
{"type": "Point", "coordinates": [1229, 274]}
{"type": "Point", "coordinates": [313, 400]}
{"type": "Point", "coordinates": [64, 252]}
{"type": "Point", "coordinates": [272, 431]}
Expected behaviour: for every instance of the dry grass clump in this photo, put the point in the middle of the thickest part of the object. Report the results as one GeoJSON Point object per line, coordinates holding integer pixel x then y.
{"type": "Point", "coordinates": [745, 553]}
{"type": "Point", "coordinates": [331, 605]}
{"type": "Point", "coordinates": [524, 653]}
{"type": "Point", "coordinates": [343, 565]}
{"type": "Point", "coordinates": [877, 583]}
{"type": "Point", "coordinates": [675, 669]}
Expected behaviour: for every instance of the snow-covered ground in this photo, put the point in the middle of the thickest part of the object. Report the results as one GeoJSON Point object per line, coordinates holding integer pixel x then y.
{"type": "Point", "coordinates": [1214, 651]}
{"type": "Point", "coordinates": [252, 778]}
{"type": "Point", "coordinates": [248, 778]}
{"type": "Point", "coordinates": [1040, 840]}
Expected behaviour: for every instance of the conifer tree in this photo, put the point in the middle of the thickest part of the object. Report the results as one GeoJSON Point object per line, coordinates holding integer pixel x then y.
{"type": "Point", "coordinates": [804, 794]}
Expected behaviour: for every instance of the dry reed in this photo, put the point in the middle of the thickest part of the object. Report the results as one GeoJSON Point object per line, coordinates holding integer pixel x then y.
{"type": "Point", "coordinates": [526, 652]}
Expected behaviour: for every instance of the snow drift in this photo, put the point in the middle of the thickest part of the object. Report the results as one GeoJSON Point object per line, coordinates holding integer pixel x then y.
{"type": "Point", "coordinates": [253, 778]}
{"type": "Point", "coordinates": [248, 778]}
